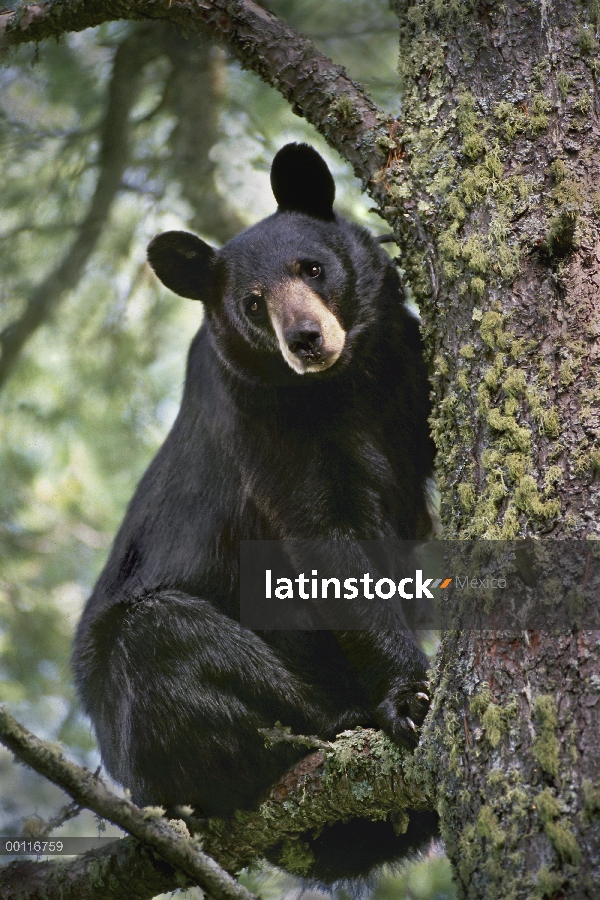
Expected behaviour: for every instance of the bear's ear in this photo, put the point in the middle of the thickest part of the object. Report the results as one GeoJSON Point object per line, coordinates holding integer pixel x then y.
{"type": "Point", "coordinates": [183, 263]}
{"type": "Point", "coordinates": [301, 182]}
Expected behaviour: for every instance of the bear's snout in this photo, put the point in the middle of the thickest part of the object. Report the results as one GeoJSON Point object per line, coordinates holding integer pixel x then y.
{"type": "Point", "coordinates": [305, 341]}
{"type": "Point", "coordinates": [309, 335]}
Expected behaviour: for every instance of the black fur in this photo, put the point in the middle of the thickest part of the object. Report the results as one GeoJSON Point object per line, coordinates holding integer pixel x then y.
{"type": "Point", "coordinates": [301, 182]}
{"type": "Point", "coordinates": [175, 687]}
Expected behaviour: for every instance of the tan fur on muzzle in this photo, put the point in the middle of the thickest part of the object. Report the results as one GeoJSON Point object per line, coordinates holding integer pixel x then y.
{"type": "Point", "coordinates": [293, 303]}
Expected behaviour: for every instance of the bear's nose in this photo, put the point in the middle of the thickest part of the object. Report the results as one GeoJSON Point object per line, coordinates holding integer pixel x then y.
{"type": "Point", "coordinates": [304, 340]}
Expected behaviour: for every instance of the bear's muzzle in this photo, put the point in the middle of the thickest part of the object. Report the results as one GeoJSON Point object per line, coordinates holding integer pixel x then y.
{"type": "Point", "coordinates": [308, 333]}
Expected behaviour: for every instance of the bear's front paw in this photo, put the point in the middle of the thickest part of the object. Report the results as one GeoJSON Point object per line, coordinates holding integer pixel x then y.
{"type": "Point", "coordinates": [401, 711]}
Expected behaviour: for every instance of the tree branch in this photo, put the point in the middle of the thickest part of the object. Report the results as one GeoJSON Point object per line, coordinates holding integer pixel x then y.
{"type": "Point", "coordinates": [124, 868]}
{"type": "Point", "coordinates": [131, 56]}
{"type": "Point", "coordinates": [192, 96]}
{"type": "Point", "coordinates": [319, 790]}
{"type": "Point", "coordinates": [317, 89]}
{"type": "Point", "coordinates": [88, 790]}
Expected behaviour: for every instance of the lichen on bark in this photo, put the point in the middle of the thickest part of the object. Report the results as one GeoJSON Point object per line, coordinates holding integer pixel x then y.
{"type": "Point", "coordinates": [502, 252]}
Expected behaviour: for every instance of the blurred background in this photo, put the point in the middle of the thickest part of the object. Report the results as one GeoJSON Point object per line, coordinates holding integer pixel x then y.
{"type": "Point", "coordinates": [107, 138]}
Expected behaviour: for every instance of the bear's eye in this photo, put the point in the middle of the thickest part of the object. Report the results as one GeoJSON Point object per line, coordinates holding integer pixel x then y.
{"type": "Point", "coordinates": [253, 305]}
{"type": "Point", "coordinates": [312, 269]}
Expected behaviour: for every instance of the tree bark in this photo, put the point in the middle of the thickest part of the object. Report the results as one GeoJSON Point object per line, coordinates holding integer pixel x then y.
{"type": "Point", "coordinates": [501, 129]}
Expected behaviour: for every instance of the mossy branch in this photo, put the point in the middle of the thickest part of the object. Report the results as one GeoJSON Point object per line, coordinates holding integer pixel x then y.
{"type": "Point", "coordinates": [179, 850]}
{"type": "Point", "coordinates": [317, 89]}
{"type": "Point", "coordinates": [361, 774]}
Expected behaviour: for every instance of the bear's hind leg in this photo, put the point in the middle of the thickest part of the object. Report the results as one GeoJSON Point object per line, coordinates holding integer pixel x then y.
{"type": "Point", "coordinates": [177, 692]}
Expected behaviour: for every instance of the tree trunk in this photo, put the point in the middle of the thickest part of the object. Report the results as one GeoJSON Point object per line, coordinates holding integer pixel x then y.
{"type": "Point", "coordinates": [502, 250]}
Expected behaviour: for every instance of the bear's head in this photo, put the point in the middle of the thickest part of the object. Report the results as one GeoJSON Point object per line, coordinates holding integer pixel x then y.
{"type": "Point", "coordinates": [292, 294]}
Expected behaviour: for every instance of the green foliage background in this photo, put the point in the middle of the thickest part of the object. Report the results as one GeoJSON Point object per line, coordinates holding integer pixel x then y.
{"type": "Point", "coordinates": [96, 387]}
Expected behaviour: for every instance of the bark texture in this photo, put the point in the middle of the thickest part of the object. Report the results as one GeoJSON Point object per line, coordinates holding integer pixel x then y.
{"type": "Point", "coordinates": [502, 136]}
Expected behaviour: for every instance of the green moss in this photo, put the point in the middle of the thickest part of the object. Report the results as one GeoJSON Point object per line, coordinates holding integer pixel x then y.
{"type": "Point", "coordinates": [563, 83]}
{"type": "Point", "coordinates": [591, 800]}
{"type": "Point", "coordinates": [477, 287]}
{"type": "Point", "coordinates": [583, 104]}
{"type": "Point", "coordinates": [463, 381]}
{"type": "Point", "coordinates": [513, 119]}
{"type": "Point", "coordinates": [487, 827]}
{"type": "Point", "coordinates": [539, 120]}
{"type": "Point", "coordinates": [520, 437]}
{"type": "Point", "coordinates": [441, 365]}
{"type": "Point", "coordinates": [467, 351]}
{"type": "Point", "coordinates": [528, 499]}
{"type": "Point", "coordinates": [385, 143]}
{"type": "Point", "coordinates": [348, 758]}
{"type": "Point", "coordinates": [473, 146]}
{"type": "Point", "coordinates": [448, 245]}
{"type": "Point", "coordinates": [491, 458]}
{"type": "Point", "coordinates": [586, 40]}
{"type": "Point", "coordinates": [553, 476]}
{"type": "Point", "coordinates": [548, 885]}
{"type": "Point", "coordinates": [560, 238]}
{"type": "Point", "coordinates": [493, 164]}
{"type": "Point", "coordinates": [558, 170]}
{"type": "Point", "coordinates": [547, 805]}
{"type": "Point", "coordinates": [549, 423]}
{"type": "Point", "coordinates": [514, 383]}
{"type": "Point", "coordinates": [466, 495]}
{"type": "Point", "coordinates": [491, 377]}
{"type": "Point", "coordinates": [490, 327]}
{"type": "Point", "coordinates": [296, 856]}
{"type": "Point", "coordinates": [508, 260]}
{"type": "Point", "coordinates": [568, 372]}
{"type": "Point", "coordinates": [540, 72]}
{"type": "Point", "coordinates": [345, 110]}
{"type": "Point", "coordinates": [474, 185]}
{"type": "Point", "coordinates": [495, 724]}
{"type": "Point", "coordinates": [559, 833]}
{"type": "Point", "coordinates": [480, 702]}
{"type": "Point", "coordinates": [545, 745]}
{"type": "Point", "coordinates": [564, 842]}
{"type": "Point", "coordinates": [455, 208]}
{"type": "Point", "coordinates": [588, 462]}
{"type": "Point", "coordinates": [467, 119]}
{"type": "Point", "coordinates": [516, 463]}
{"type": "Point", "coordinates": [477, 259]}
{"type": "Point", "coordinates": [568, 193]}
{"type": "Point", "coordinates": [494, 718]}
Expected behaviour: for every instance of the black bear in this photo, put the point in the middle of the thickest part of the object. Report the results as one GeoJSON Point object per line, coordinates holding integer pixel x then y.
{"type": "Point", "coordinates": [304, 416]}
